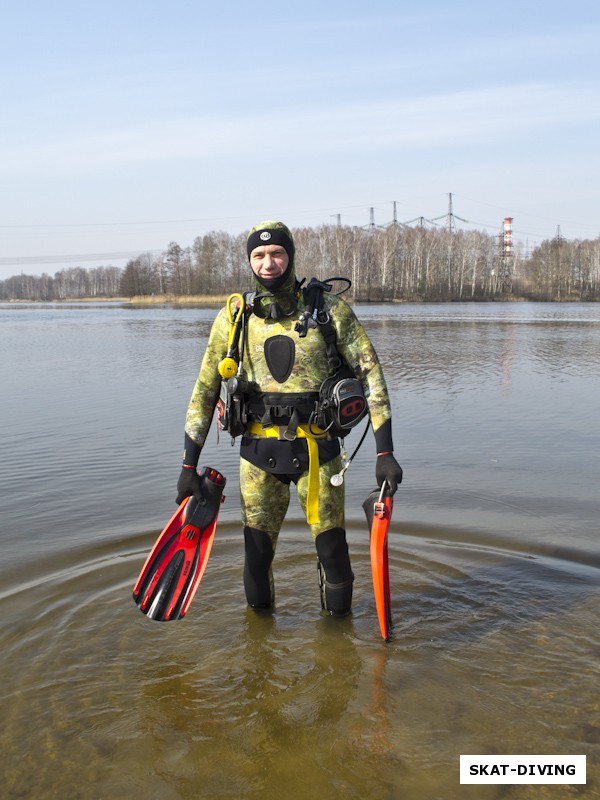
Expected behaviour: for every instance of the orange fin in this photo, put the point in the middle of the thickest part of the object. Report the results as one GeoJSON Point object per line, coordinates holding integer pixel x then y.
{"type": "Point", "coordinates": [378, 508]}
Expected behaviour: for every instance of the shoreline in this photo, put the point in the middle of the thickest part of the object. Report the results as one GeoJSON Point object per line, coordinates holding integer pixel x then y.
{"type": "Point", "coordinates": [163, 299]}
{"type": "Point", "coordinates": [219, 300]}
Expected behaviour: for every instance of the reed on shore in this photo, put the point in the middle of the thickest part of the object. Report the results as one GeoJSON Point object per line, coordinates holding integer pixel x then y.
{"type": "Point", "coordinates": [178, 299]}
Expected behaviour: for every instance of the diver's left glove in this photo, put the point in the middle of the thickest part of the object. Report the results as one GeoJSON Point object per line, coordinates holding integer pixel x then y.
{"type": "Point", "coordinates": [388, 469]}
{"type": "Point", "coordinates": [189, 483]}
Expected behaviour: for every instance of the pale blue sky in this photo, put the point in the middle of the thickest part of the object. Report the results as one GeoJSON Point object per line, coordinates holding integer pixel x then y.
{"type": "Point", "coordinates": [127, 125]}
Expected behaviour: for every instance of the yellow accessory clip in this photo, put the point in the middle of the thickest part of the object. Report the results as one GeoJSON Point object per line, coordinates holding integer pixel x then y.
{"type": "Point", "coordinates": [302, 432]}
{"type": "Point", "coordinates": [236, 306]}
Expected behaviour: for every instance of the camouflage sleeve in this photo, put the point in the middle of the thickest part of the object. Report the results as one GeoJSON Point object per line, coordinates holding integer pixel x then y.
{"type": "Point", "coordinates": [206, 390]}
{"type": "Point", "coordinates": [355, 346]}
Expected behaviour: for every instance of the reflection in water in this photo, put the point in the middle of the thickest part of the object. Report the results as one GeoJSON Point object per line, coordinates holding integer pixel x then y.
{"type": "Point", "coordinates": [493, 555]}
{"type": "Point", "coordinates": [227, 702]}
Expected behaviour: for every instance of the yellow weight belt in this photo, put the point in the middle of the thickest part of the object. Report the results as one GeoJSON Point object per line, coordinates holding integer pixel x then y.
{"type": "Point", "coordinates": [302, 432]}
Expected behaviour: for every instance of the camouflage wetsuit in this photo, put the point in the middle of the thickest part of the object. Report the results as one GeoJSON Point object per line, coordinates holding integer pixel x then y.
{"type": "Point", "coordinates": [277, 360]}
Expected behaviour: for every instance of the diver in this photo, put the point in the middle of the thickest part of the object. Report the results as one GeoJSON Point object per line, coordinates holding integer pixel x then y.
{"type": "Point", "coordinates": [289, 344]}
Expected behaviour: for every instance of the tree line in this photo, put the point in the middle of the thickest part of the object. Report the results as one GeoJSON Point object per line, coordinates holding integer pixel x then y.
{"type": "Point", "coordinates": [394, 263]}
{"type": "Point", "coordinates": [66, 284]}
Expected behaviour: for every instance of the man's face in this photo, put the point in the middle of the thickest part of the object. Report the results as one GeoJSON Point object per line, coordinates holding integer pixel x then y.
{"type": "Point", "coordinates": [269, 261]}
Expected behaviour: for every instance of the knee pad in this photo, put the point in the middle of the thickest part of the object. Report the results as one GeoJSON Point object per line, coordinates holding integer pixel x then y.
{"type": "Point", "coordinates": [335, 572]}
{"type": "Point", "coordinates": [258, 576]}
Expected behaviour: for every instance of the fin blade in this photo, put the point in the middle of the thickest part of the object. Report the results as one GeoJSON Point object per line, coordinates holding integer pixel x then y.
{"type": "Point", "coordinates": [174, 568]}
{"type": "Point", "coordinates": [162, 551]}
{"type": "Point", "coordinates": [379, 513]}
{"type": "Point", "coordinates": [157, 601]}
{"type": "Point", "coordinates": [202, 555]}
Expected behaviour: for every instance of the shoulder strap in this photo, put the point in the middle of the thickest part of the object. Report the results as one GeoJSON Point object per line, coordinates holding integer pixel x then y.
{"type": "Point", "coordinates": [316, 316]}
{"type": "Point", "coordinates": [331, 351]}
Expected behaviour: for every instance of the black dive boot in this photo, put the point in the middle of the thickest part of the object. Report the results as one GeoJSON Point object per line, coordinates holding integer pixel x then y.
{"type": "Point", "coordinates": [258, 577]}
{"type": "Point", "coordinates": [335, 573]}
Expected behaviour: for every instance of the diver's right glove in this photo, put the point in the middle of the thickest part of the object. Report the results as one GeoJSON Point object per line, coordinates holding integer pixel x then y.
{"type": "Point", "coordinates": [388, 469]}
{"type": "Point", "coordinates": [189, 483]}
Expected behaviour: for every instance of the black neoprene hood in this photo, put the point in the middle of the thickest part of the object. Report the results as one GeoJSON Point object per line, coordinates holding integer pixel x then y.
{"type": "Point", "coordinates": [265, 236]}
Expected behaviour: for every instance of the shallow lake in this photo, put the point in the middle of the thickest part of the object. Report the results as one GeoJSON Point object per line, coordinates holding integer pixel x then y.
{"type": "Point", "coordinates": [494, 562]}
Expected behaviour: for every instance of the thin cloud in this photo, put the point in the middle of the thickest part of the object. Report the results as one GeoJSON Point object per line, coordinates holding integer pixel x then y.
{"type": "Point", "coordinates": [438, 120]}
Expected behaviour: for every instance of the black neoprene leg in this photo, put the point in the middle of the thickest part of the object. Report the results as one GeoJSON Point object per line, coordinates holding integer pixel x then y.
{"type": "Point", "coordinates": [335, 572]}
{"type": "Point", "coordinates": [258, 578]}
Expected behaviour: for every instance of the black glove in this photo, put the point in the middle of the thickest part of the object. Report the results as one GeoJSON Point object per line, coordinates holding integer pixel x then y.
{"type": "Point", "coordinates": [189, 483]}
{"type": "Point", "coordinates": [388, 469]}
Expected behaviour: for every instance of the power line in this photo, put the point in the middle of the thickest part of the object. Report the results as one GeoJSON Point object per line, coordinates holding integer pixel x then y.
{"type": "Point", "coordinates": [61, 225]}
{"type": "Point", "coordinates": [449, 219]}
{"type": "Point", "coordinates": [71, 259]}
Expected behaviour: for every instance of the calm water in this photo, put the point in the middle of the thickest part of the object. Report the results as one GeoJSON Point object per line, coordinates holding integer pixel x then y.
{"type": "Point", "coordinates": [494, 559]}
